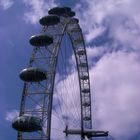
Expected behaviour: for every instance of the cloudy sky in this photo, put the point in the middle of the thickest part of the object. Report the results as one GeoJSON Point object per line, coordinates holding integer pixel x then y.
{"type": "Point", "coordinates": [111, 29]}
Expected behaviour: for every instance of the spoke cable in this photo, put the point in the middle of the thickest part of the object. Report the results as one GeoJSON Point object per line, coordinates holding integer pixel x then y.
{"type": "Point", "coordinates": [74, 106]}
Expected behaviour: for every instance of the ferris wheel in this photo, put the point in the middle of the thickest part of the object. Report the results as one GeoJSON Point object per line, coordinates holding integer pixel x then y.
{"type": "Point", "coordinates": [56, 98]}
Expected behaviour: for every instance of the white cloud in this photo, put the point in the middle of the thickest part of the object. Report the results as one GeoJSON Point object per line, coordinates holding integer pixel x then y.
{"type": "Point", "coordinates": [36, 9]}
{"type": "Point", "coordinates": [94, 32]}
{"type": "Point", "coordinates": [115, 94]}
{"type": "Point", "coordinates": [121, 17]}
{"type": "Point", "coordinates": [95, 52]}
{"type": "Point", "coordinates": [11, 115]}
{"type": "Point", "coordinates": [6, 4]}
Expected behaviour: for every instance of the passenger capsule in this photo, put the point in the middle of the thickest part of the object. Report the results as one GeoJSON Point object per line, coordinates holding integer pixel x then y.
{"type": "Point", "coordinates": [68, 9]}
{"type": "Point", "coordinates": [71, 14]}
{"type": "Point", "coordinates": [32, 75]}
{"type": "Point", "coordinates": [49, 20]}
{"type": "Point", "coordinates": [60, 11]}
{"type": "Point", "coordinates": [27, 124]}
{"type": "Point", "coordinates": [81, 51]}
{"type": "Point", "coordinates": [85, 90]}
{"type": "Point", "coordinates": [41, 40]}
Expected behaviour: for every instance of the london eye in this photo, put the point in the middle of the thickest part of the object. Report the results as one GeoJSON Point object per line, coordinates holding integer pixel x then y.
{"type": "Point", "coordinates": [56, 98]}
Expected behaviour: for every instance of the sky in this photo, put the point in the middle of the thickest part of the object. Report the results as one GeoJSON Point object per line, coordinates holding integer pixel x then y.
{"type": "Point", "coordinates": [111, 29]}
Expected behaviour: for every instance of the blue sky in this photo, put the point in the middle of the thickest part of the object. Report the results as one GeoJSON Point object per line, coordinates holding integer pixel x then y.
{"type": "Point", "coordinates": [111, 29]}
